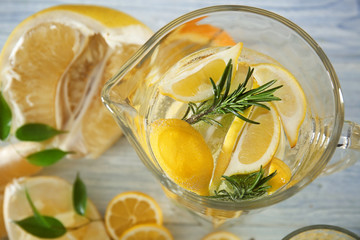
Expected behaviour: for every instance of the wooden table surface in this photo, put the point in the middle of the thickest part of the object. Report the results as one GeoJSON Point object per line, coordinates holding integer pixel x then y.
{"type": "Point", "coordinates": [334, 199]}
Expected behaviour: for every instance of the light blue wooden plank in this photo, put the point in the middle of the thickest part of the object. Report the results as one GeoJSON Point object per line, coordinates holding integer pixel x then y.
{"type": "Point", "coordinates": [333, 199]}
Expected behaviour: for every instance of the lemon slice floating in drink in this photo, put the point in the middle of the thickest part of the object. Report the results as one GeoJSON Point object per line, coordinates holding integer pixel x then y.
{"type": "Point", "coordinates": [257, 143]}
{"type": "Point", "coordinates": [292, 107]}
{"type": "Point", "coordinates": [188, 80]}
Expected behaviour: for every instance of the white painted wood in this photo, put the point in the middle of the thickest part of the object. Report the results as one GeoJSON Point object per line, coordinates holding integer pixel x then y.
{"type": "Point", "coordinates": [333, 199]}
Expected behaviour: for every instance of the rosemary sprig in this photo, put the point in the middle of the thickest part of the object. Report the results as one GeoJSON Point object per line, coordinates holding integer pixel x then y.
{"type": "Point", "coordinates": [240, 187]}
{"type": "Point", "coordinates": [235, 103]}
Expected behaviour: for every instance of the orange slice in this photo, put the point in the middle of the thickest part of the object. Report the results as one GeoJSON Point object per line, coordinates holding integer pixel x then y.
{"type": "Point", "coordinates": [129, 209]}
{"type": "Point", "coordinates": [147, 232]}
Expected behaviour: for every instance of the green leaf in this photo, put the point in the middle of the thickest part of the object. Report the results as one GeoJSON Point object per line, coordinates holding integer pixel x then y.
{"type": "Point", "coordinates": [5, 118]}
{"type": "Point", "coordinates": [40, 219]}
{"type": "Point", "coordinates": [46, 157]}
{"type": "Point", "coordinates": [79, 196]}
{"type": "Point", "coordinates": [53, 229]}
{"type": "Point", "coordinates": [39, 225]}
{"type": "Point", "coordinates": [36, 132]}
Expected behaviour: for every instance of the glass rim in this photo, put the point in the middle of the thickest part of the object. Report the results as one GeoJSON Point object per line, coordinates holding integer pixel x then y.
{"type": "Point", "coordinates": [320, 227]}
{"type": "Point", "coordinates": [277, 196]}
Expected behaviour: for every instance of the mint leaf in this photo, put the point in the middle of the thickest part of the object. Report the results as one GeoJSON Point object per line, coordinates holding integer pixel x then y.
{"type": "Point", "coordinates": [52, 229]}
{"type": "Point", "coordinates": [39, 225]}
{"type": "Point", "coordinates": [5, 118]}
{"type": "Point", "coordinates": [79, 196]}
{"type": "Point", "coordinates": [46, 157]}
{"type": "Point", "coordinates": [36, 132]}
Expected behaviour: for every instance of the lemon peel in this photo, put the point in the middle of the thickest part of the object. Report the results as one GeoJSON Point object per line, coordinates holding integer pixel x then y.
{"type": "Point", "coordinates": [182, 153]}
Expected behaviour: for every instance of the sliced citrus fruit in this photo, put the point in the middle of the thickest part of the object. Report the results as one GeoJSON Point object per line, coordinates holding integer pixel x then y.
{"type": "Point", "coordinates": [54, 65]}
{"type": "Point", "coordinates": [292, 107]}
{"type": "Point", "coordinates": [204, 33]}
{"type": "Point", "coordinates": [283, 174]}
{"type": "Point", "coordinates": [257, 143]}
{"type": "Point", "coordinates": [188, 38]}
{"type": "Point", "coordinates": [233, 132]}
{"type": "Point", "coordinates": [147, 232]}
{"type": "Point", "coordinates": [221, 235]}
{"type": "Point", "coordinates": [129, 209]}
{"type": "Point", "coordinates": [182, 153]}
{"type": "Point", "coordinates": [189, 79]}
{"type": "Point", "coordinates": [51, 196]}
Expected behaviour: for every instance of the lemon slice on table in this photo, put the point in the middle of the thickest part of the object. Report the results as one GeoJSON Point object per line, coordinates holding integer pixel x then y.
{"type": "Point", "coordinates": [189, 79]}
{"type": "Point", "coordinates": [292, 107]}
{"type": "Point", "coordinates": [182, 153]}
{"type": "Point", "coordinates": [54, 65]}
{"type": "Point", "coordinates": [147, 232]}
{"type": "Point", "coordinates": [52, 196]}
{"type": "Point", "coordinates": [128, 209]}
{"type": "Point", "coordinates": [257, 143]}
{"type": "Point", "coordinates": [221, 235]}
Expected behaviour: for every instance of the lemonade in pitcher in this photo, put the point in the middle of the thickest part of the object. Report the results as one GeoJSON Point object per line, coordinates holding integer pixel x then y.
{"type": "Point", "coordinates": [224, 123]}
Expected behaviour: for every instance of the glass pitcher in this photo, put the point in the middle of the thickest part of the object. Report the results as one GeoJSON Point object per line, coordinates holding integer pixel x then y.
{"type": "Point", "coordinates": [130, 95]}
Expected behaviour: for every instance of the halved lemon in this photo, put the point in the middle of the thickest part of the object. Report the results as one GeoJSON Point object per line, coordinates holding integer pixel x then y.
{"type": "Point", "coordinates": [189, 79]}
{"type": "Point", "coordinates": [53, 67]}
{"type": "Point", "coordinates": [182, 153]}
{"type": "Point", "coordinates": [129, 209]}
{"type": "Point", "coordinates": [257, 143]}
{"type": "Point", "coordinates": [221, 235]}
{"type": "Point", "coordinates": [292, 107]}
{"type": "Point", "coordinates": [147, 232]}
{"type": "Point", "coordinates": [52, 196]}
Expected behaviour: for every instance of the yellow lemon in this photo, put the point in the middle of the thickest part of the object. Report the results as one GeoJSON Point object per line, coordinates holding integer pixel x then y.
{"type": "Point", "coordinates": [221, 235]}
{"type": "Point", "coordinates": [147, 232]}
{"type": "Point", "coordinates": [186, 39]}
{"type": "Point", "coordinates": [182, 153]}
{"type": "Point", "coordinates": [292, 107]}
{"type": "Point", "coordinates": [233, 132]}
{"type": "Point", "coordinates": [283, 174]}
{"type": "Point", "coordinates": [51, 196]}
{"type": "Point", "coordinates": [257, 143]}
{"type": "Point", "coordinates": [53, 67]}
{"type": "Point", "coordinates": [128, 209]}
{"type": "Point", "coordinates": [189, 79]}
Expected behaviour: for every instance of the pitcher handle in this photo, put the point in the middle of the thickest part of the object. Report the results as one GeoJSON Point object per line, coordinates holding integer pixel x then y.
{"type": "Point", "coordinates": [348, 148]}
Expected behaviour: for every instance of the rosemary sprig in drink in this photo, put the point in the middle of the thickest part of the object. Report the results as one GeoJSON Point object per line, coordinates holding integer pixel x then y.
{"type": "Point", "coordinates": [225, 102]}
{"type": "Point", "coordinates": [240, 187]}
